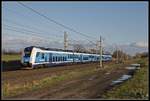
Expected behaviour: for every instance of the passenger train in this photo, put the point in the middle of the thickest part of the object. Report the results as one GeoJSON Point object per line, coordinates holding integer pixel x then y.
{"type": "Point", "coordinates": [34, 56]}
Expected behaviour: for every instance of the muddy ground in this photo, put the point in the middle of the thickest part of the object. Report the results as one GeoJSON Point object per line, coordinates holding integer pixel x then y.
{"type": "Point", "coordinates": [90, 86]}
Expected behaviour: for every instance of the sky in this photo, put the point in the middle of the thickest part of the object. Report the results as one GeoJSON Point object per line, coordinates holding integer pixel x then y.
{"type": "Point", "coordinates": [119, 23]}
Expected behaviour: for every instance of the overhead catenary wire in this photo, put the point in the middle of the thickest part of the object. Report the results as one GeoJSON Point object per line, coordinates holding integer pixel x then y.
{"type": "Point", "coordinates": [68, 40]}
{"type": "Point", "coordinates": [20, 30]}
{"type": "Point", "coordinates": [37, 33]}
{"type": "Point", "coordinates": [33, 32]}
{"type": "Point", "coordinates": [33, 27]}
{"type": "Point", "coordinates": [18, 13]}
{"type": "Point", "coordinates": [51, 20]}
{"type": "Point", "coordinates": [29, 27]}
{"type": "Point", "coordinates": [31, 41]}
{"type": "Point", "coordinates": [26, 32]}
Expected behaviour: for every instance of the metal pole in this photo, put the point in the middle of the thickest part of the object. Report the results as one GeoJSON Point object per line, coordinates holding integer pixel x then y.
{"type": "Point", "coordinates": [101, 52]}
{"type": "Point", "coordinates": [117, 54]}
{"type": "Point", "coordinates": [65, 40]}
{"type": "Point", "coordinates": [97, 46]}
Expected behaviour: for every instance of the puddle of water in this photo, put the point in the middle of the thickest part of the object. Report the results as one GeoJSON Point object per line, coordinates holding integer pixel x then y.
{"type": "Point", "coordinates": [116, 81]}
{"type": "Point", "coordinates": [130, 68]}
{"type": "Point", "coordinates": [135, 65]}
{"type": "Point", "coordinates": [107, 73]}
{"type": "Point", "coordinates": [125, 77]}
{"type": "Point", "coordinates": [121, 79]}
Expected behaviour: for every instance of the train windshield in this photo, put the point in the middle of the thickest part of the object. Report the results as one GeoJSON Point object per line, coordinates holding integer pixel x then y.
{"type": "Point", "coordinates": [27, 51]}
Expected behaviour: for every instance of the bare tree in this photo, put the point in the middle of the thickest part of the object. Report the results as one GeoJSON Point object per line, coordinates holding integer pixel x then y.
{"type": "Point", "coordinates": [79, 48]}
{"type": "Point", "coordinates": [141, 55]}
{"type": "Point", "coordinates": [121, 55]}
{"type": "Point", "coordinates": [92, 50]}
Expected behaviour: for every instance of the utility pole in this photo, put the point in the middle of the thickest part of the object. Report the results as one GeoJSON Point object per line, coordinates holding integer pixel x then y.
{"type": "Point", "coordinates": [97, 45]}
{"type": "Point", "coordinates": [101, 52]}
{"type": "Point", "coordinates": [121, 53]}
{"type": "Point", "coordinates": [65, 41]}
{"type": "Point", "coordinates": [117, 54]}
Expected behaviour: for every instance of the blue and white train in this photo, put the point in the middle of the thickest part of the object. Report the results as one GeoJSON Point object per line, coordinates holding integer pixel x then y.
{"type": "Point", "coordinates": [35, 56]}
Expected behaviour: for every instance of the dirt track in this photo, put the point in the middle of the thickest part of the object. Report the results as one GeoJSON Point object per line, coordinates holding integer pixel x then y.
{"type": "Point", "coordinates": [86, 87]}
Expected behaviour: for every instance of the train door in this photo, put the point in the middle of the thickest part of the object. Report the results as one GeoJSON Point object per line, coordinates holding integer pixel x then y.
{"type": "Point", "coordinates": [50, 57]}
{"type": "Point", "coordinates": [80, 58]}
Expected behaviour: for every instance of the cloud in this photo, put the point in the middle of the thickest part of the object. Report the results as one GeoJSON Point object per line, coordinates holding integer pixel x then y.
{"type": "Point", "coordinates": [140, 44]}
{"type": "Point", "coordinates": [131, 48]}
{"type": "Point", "coordinates": [17, 43]}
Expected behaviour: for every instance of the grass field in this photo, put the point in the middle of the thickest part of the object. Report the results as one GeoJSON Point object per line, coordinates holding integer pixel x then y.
{"type": "Point", "coordinates": [39, 79]}
{"type": "Point", "coordinates": [135, 88]}
{"type": "Point", "coordinates": [23, 82]}
{"type": "Point", "coordinates": [45, 82]}
{"type": "Point", "coordinates": [6, 57]}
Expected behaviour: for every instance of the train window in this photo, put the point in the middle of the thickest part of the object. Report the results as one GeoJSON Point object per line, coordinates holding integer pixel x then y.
{"type": "Point", "coordinates": [72, 56]}
{"type": "Point", "coordinates": [85, 58]}
{"type": "Point", "coordinates": [53, 59]}
{"type": "Point", "coordinates": [56, 58]}
{"type": "Point", "coordinates": [50, 57]}
{"type": "Point", "coordinates": [61, 58]}
{"type": "Point", "coordinates": [37, 54]}
{"type": "Point", "coordinates": [42, 55]}
{"type": "Point", "coordinates": [76, 56]}
{"type": "Point", "coordinates": [27, 51]}
{"type": "Point", "coordinates": [65, 59]}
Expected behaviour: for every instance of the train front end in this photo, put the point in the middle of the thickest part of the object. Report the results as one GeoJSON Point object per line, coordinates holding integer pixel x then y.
{"type": "Point", "coordinates": [26, 56]}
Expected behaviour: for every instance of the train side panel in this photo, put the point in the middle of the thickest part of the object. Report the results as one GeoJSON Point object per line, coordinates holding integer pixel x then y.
{"type": "Point", "coordinates": [39, 56]}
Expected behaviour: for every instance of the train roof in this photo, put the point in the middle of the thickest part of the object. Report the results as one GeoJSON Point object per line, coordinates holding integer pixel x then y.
{"type": "Point", "coordinates": [59, 50]}
{"type": "Point", "coordinates": [51, 49]}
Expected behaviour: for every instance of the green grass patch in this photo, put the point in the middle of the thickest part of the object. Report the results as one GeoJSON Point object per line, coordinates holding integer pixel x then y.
{"type": "Point", "coordinates": [13, 90]}
{"type": "Point", "coordinates": [6, 57]}
{"type": "Point", "coordinates": [135, 88]}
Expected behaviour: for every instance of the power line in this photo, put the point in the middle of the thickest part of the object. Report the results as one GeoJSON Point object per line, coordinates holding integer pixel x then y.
{"type": "Point", "coordinates": [18, 13]}
{"type": "Point", "coordinates": [29, 27]}
{"type": "Point", "coordinates": [26, 32]}
{"type": "Point", "coordinates": [33, 33]}
{"type": "Point", "coordinates": [37, 43]}
{"type": "Point", "coordinates": [62, 25]}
